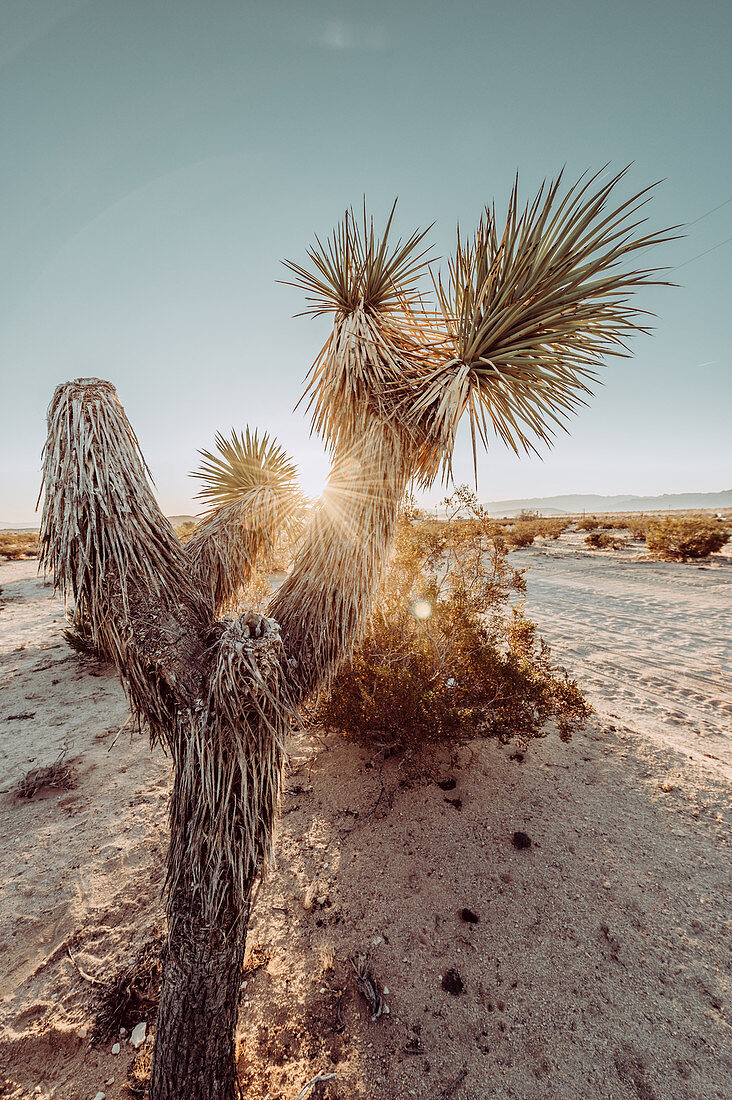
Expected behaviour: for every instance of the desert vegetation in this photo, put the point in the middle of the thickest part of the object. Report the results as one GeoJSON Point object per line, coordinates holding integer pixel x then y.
{"type": "Point", "coordinates": [18, 545]}
{"type": "Point", "coordinates": [448, 654]}
{"type": "Point", "coordinates": [524, 315]}
{"type": "Point", "coordinates": [686, 538]}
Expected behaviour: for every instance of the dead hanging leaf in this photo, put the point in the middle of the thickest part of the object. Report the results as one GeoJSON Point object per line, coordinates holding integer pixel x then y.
{"type": "Point", "coordinates": [367, 984]}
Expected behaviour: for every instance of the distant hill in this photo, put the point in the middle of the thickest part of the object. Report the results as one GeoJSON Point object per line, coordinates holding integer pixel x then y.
{"type": "Point", "coordinates": [577, 502]}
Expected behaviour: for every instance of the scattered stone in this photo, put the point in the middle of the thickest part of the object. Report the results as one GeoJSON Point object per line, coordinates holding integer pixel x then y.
{"type": "Point", "coordinates": [452, 982]}
{"type": "Point", "coordinates": [521, 840]}
{"type": "Point", "coordinates": [517, 756]}
{"type": "Point", "coordinates": [123, 1031]}
{"type": "Point", "coordinates": [138, 1036]}
{"type": "Point", "coordinates": [83, 1031]}
{"type": "Point", "coordinates": [456, 802]}
{"type": "Point", "coordinates": [116, 1048]}
{"type": "Point", "coordinates": [100, 1096]}
{"type": "Point", "coordinates": [469, 916]}
{"type": "Point", "coordinates": [607, 885]}
{"type": "Point", "coordinates": [447, 784]}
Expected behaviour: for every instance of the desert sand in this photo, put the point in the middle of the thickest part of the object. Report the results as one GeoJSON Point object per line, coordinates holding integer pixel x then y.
{"type": "Point", "coordinates": [593, 963]}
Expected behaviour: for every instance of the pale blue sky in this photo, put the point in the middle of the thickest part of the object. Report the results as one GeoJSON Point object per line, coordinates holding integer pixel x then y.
{"type": "Point", "coordinates": [161, 158]}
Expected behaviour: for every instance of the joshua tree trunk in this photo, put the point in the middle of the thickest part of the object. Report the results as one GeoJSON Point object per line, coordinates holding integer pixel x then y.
{"type": "Point", "coordinates": [194, 1054]}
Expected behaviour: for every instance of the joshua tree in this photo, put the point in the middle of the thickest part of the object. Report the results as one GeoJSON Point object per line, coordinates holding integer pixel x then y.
{"type": "Point", "coordinates": [522, 318]}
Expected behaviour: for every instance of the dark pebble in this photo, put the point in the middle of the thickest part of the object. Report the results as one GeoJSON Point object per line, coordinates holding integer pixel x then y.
{"type": "Point", "coordinates": [521, 840]}
{"type": "Point", "coordinates": [447, 784]}
{"type": "Point", "coordinates": [469, 916]}
{"type": "Point", "coordinates": [452, 983]}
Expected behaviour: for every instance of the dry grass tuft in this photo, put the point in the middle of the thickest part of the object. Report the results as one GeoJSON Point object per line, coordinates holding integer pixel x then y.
{"type": "Point", "coordinates": [131, 994]}
{"type": "Point", "coordinates": [59, 776]}
{"type": "Point", "coordinates": [138, 1075]}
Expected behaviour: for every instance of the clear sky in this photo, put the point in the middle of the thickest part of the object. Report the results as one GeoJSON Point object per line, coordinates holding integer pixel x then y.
{"type": "Point", "coordinates": [161, 157]}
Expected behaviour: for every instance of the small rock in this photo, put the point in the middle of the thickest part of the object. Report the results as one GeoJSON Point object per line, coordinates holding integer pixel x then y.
{"type": "Point", "coordinates": [83, 1031]}
{"type": "Point", "coordinates": [116, 1048]}
{"type": "Point", "coordinates": [447, 784]}
{"type": "Point", "coordinates": [452, 983]}
{"type": "Point", "coordinates": [607, 885]}
{"type": "Point", "coordinates": [99, 1096]}
{"type": "Point", "coordinates": [521, 840]}
{"type": "Point", "coordinates": [469, 916]}
{"type": "Point", "coordinates": [139, 1033]}
{"type": "Point", "coordinates": [109, 1081]}
{"type": "Point", "coordinates": [123, 1031]}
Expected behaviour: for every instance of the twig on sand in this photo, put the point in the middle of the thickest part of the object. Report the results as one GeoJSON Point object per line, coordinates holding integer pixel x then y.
{"type": "Point", "coordinates": [119, 731]}
{"type": "Point", "coordinates": [83, 973]}
{"type": "Point", "coordinates": [311, 1084]}
{"type": "Point", "coordinates": [449, 1089]}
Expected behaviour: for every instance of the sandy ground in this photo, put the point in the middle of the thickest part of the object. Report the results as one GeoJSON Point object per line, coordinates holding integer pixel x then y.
{"type": "Point", "coordinates": [599, 965]}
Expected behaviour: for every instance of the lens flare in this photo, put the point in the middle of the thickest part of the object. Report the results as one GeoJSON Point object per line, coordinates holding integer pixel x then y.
{"type": "Point", "coordinates": [422, 609]}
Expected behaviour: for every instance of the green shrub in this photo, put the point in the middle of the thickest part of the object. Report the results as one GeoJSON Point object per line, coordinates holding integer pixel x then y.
{"type": "Point", "coordinates": [446, 657]}
{"type": "Point", "coordinates": [685, 538]}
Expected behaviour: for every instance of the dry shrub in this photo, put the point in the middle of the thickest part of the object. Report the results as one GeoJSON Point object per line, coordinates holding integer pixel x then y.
{"type": "Point", "coordinates": [446, 657]}
{"type": "Point", "coordinates": [551, 528]}
{"type": "Point", "coordinates": [186, 531]}
{"type": "Point", "coordinates": [59, 776]}
{"type": "Point", "coordinates": [588, 523]}
{"type": "Point", "coordinates": [17, 546]}
{"type": "Point", "coordinates": [638, 528]}
{"type": "Point", "coordinates": [685, 538]}
{"type": "Point", "coordinates": [522, 533]}
{"type": "Point", "coordinates": [598, 540]}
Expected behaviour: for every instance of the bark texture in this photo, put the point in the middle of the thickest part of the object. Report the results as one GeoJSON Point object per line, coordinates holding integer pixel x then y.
{"type": "Point", "coordinates": [194, 1056]}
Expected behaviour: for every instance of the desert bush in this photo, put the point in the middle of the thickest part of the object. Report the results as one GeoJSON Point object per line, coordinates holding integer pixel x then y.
{"type": "Point", "coordinates": [638, 528]}
{"type": "Point", "coordinates": [17, 545]}
{"type": "Point", "coordinates": [522, 533]}
{"type": "Point", "coordinates": [588, 523]}
{"type": "Point", "coordinates": [598, 540]}
{"type": "Point", "coordinates": [447, 657]}
{"type": "Point", "coordinates": [685, 537]}
{"type": "Point", "coordinates": [551, 528]}
{"type": "Point", "coordinates": [186, 531]}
